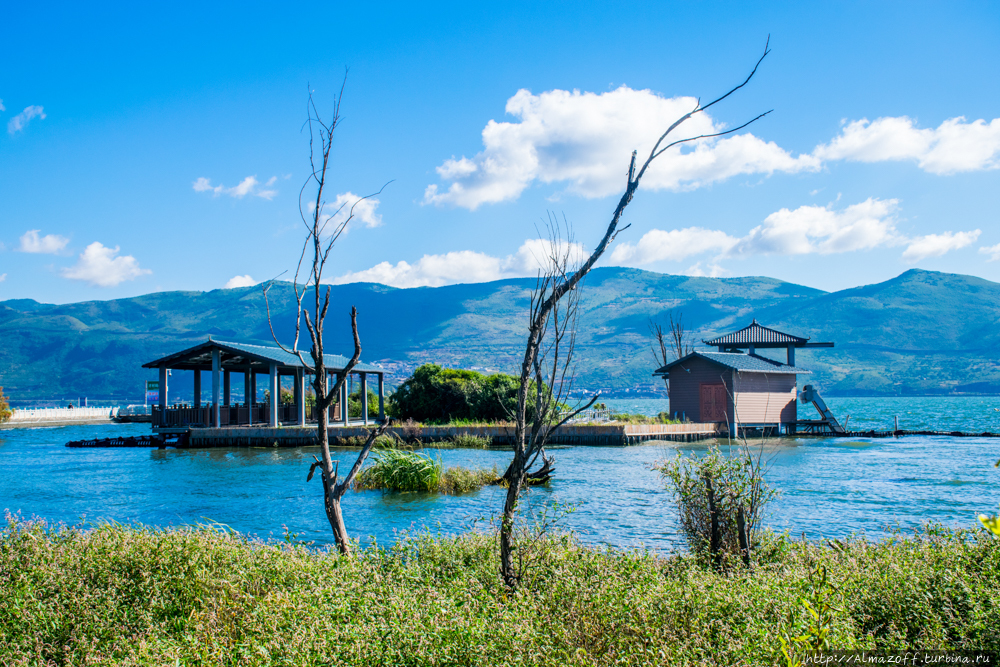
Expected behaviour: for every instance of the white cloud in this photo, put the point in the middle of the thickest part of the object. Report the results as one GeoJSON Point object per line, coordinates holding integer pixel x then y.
{"type": "Point", "coordinates": [2, 108]}
{"type": "Point", "coordinates": [712, 270]}
{"type": "Point", "coordinates": [935, 245]}
{"type": "Point", "coordinates": [248, 186]}
{"type": "Point", "coordinates": [802, 231]}
{"type": "Point", "coordinates": [3, 276]}
{"type": "Point", "coordinates": [993, 251]}
{"type": "Point", "coordinates": [820, 229]}
{"type": "Point", "coordinates": [240, 281]}
{"type": "Point", "coordinates": [955, 146]}
{"type": "Point", "coordinates": [49, 244]}
{"type": "Point", "coordinates": [657, 245]}
{"type": "Point", "coordinates": [100, 266]}
{"type": "Point", "coordinates": [464, 266]}
{"type": "Point", "coordinates": [340, 209]}
{"type": "Point", "coordinates": [584, 140]}
{"type": "Point", "coordinates": [21, 120]}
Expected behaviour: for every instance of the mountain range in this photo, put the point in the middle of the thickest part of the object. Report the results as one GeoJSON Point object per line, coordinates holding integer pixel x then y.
{"type": "Point", "coordinates": [919, 333]}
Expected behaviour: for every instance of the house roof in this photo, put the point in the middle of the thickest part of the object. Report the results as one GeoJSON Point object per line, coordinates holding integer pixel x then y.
{"type": "Point", "coordinates": [237, 356]}
{"type": "Point", "coordinates": [758, 336]}
{"type": "Point", "coordinates": [744, 363]}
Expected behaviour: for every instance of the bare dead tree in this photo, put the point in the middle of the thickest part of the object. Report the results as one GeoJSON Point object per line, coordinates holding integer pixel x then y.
{"type": "Point", "coordinates": [324, 226]}
{"type": "Point", "coordinates": [551, 327]}
{"type": "Point", "coordinates": [664, 344]}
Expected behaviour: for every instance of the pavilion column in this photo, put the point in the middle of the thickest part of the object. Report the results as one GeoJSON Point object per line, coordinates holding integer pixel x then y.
{"type": "Point", "coordinates": [274, 389]}
{"type": "Point", "coordinates": [381, 397]}
{"type": "Point", "coordinates": [345, 409]}
{"type": "Point", "coordinates": [300, 399]}
{"type": "Point", "coordinates": [253, 387]}
{"type": "Point", "coordinates": [247, 397]}
{"type": "Point", "coordinates": [791, 355]}
{"type": "Point", "coordinates": [163, 395]}
{"type": "Point", "coordinates": [197, 390]}
{"type": "Point", "coordinates": [216, 367]}
{"type": "Point", "coordinates": [227, 385]}
{"type": "Point", "coordinates": [364, 398]}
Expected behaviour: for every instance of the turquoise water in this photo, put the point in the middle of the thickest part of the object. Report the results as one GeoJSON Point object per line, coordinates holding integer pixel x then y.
{"type": "Point", "coordinates": [951, 413]}
{"type": "Point", "coordinates": [830, 487]}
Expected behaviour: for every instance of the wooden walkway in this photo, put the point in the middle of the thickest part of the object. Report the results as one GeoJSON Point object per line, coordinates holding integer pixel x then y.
{"type": "Point", "coordinates": [607, 435]}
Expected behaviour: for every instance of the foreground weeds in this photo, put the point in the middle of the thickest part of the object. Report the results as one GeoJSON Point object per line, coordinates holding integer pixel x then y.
{"type": "Point", "coordinates": [115, 595]}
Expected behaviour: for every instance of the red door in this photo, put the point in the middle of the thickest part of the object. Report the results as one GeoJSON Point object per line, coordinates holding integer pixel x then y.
{"type": "Point", "coordinates": [713, 403]}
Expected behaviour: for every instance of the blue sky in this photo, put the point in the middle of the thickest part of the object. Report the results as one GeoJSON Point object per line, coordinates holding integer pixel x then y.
{"type": "Point", "coordinates": [160, 148]}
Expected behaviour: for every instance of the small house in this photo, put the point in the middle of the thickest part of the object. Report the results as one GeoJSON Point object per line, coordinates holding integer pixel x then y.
{"type": "Point", "coordinates": [736, 386]}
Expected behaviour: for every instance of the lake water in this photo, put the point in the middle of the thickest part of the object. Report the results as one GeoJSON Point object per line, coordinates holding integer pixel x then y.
{"type": "Point", "coordinates": [830, 487]}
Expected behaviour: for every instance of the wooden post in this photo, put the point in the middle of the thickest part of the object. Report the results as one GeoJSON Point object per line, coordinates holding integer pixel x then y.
{"type": "Point", "coordinates": [364, 398]}
{"type": "Point", "coordinates": [345, 412]}
{"type": "Point", "coordinates": [274, 389]}
{"type": "Point", "coordinates": [226, 389]}
{"type": "Point", "coordinates": [791, 354]}
{"type": "Point", "coordinates": [895, 424]}
{"type": "Point", "coordinates": [381, 397]}
{"type": "Point", "coordinates": [197, 390]}
{"type": "Point", "coordinates": [253, 387]}
{"type": "Point", "coordinates": [247, 387]}
{"type": "Point", "coordinates": [216, 367]}
{"type": "Point", "coordinates": [163, 395]}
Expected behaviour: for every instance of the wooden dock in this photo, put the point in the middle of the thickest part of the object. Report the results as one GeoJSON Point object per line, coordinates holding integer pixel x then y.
{"type": "Point", "coordinates": [604, 435]}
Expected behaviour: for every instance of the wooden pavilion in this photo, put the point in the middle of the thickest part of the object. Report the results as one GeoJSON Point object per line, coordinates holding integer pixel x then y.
{"type": "Point", "coordinates": [223, 358]}
{"type": "Point", "coordinates": [741, 389]}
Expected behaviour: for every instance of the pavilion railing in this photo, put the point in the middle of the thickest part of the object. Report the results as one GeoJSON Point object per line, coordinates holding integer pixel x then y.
{"type": "Point", "coordinates": [237, 415]}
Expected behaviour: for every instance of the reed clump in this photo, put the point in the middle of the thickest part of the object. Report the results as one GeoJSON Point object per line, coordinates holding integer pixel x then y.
{"type": "Point", "coordinates": [117, 595]}
{"type": "Point", "coordinates": [400, 470]}
{"type": "Point", "coordinates": [406, 471]}
{"type": "Point", "coordinates": [470, 441]}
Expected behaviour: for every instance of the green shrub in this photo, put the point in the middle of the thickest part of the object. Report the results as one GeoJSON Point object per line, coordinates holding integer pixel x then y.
{"type": "Point", "coordinates": [5, 411]}
{"type": "Point", "coordinates": [439, 395]}
{"type": "Point", "coordinates": [354, 403]}
{"type": "Point", "coordinates": [733, 483]}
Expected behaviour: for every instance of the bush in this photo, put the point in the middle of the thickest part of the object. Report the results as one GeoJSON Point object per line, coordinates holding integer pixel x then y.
{"type": "Point", "coordinates": [5, 411]}
{"type": "Point", "coordinates": [442, 395]}
{"type": "Point", "coordinates": [354, 403]}
{"type": "Point", "coordinates": [729, 483]}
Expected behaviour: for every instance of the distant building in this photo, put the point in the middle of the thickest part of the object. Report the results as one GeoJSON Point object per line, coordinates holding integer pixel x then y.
{"type": "Point", "coordinates": [740, 389]}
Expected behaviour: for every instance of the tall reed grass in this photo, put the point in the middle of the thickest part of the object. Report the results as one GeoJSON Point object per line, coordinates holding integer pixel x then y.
{"type": "Point", "coordinates": [126, 596]}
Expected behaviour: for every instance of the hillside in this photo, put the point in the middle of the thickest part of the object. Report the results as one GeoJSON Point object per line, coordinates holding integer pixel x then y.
{"type": "Point", "coordinates": [921, 332]}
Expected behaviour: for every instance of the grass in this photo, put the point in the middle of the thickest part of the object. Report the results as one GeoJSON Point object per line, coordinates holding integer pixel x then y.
{"type": "Point", "coordinates": [116, 595]}
{"type": "Point", "coordinates": [406, 471]}
{"type": "Point", "coordinates": [661, 418]}
{"type": "Point", "coordinates": [400, 470]}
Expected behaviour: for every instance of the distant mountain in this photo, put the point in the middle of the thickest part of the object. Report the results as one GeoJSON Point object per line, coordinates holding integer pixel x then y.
{"type": "Point", "coordinates": [922, 332]}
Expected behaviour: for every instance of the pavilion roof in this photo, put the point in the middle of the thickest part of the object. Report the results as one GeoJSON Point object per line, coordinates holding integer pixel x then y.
{"type": "Point", "coordinates": [758, 336]}
{"type": "Point", "coordinates": [237, 356]}
{"type": "Point", "coordinates": [745, 363]}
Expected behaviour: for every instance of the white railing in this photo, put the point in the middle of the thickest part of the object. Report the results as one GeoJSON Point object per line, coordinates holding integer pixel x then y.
{"type": "Point", "coordinates": [135, 410]}
{"type": "Point", "coordinates": [40, 415]}
{"type": "Point", "coordinates": [593, 415]}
